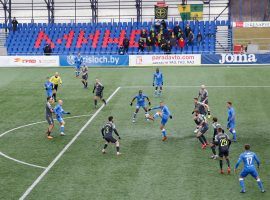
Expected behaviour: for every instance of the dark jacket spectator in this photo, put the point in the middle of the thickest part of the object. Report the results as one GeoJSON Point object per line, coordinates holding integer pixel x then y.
{"type": "Point", "coordinates": [126, 44]}
{"type": "Point", "coordinates": [121, 50]}
{"type": "Point", "coordinates": [187, 30]}
{"type": "Point", "coordinates": [190, 38]}
{"type": "Point", "coordinates": [181, 43]}
{"type": "Point", "coordinates": [47, 50]}
{"type": "Point", "coordinates": [173, 39]}
{"type": "Point", "coordinates": [150, 44]}
{"type": "Point", "coordinates": [168, 47]}
{"type": "Point", "coordinates": [176, 29]}
{"type": "Point", "coordinates": [144, 35]}
{"type": "Point", "coordinates": [199, 38]}
{"type": "Point", "coordinates": [181, 35]}
{"type": "Point", "coordinates": [163, 24]}
{"type": "Point", "coordinates": [14, 24]}
{"type": "Point", "coordinates": [163, 43]}
{"type": "Point", "coordinates": [141, 45]}
{"type": "Point", "coordinates": [152, 33]}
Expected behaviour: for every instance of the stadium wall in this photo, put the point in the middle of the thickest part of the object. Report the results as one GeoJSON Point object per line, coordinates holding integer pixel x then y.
{"type": "Point", "coordinates": [138, 60]}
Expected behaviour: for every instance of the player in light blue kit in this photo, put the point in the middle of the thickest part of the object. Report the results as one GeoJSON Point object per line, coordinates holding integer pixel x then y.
{"type": "Point", "coordinates": [78, 63]}
{"type": "Point", "coordinates": [158, 82]}
{"type": "Point", "coordinates": [249, 158]}
{"type": "Point", "coordinates": [140, 103]}
{"type": "Point", "coordinates": [59, 111]}
{"type": "Point", "coordinates": [48, 85]}
{"type": "Point", "coordinates": [164, 114]}
{"type": "Point", "coordinates": [231, 120]}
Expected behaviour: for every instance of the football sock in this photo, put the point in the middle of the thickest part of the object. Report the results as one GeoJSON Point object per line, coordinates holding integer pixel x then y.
{"type": "Point", "coordinates": [201, 140]}
{"type": "Point", "coordinates": [105, 146]}
{"type": "Point", "coordinates": [48, 132]}
{"type": "Point", "coordinates": [62, 128]}
{"type": "Point", "coordinates": [228, 162]}
{"type": "Point", "coordinates": [117, 149]}
{"type": "Point", "coordinates": [134, 115]}
{"type": "Point", "coordinates": [242, 184]}
{"type": "Point", "coordinates": [221, 164]}
{"type": "Point", "coordinates": [95, 102]}
{"type": "Point", "coordinates": [213, 148]}
{"type": "Point", "coordinates": [54, 96]}
{"type": "Point", "coordinates": [234, 133]}
{"type": "Point", "coordinates": [260, 184]}
{"type": "Point", "coordinates": [204, 139]}
{"type": "Point", "coordinates": [86, 84]}
{"type": "Point", "coordinates": [83, 83]}
{"type": "Point", "coordinates": [104, 101]}
{"type": "Point", "coordinates": [164, 132]}
{"type": "Point", "coordinates": [208, 113]}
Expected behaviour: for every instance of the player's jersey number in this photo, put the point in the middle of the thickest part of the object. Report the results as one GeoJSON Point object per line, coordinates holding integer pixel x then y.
{"type": "Point", "coordinates": [249, 160]}
{"type": "Point", "coordinates": [223, 142]}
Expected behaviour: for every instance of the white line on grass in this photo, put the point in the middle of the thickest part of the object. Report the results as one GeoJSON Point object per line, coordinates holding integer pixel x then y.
{"type": "Point", "coordinates": [31, 124]}
{"type": "Point", "coordinates": [19, 161]}
{"type": "Point", "coordinates": [41, 176]}
{"type": "Point", "coordinates": [208, 86]}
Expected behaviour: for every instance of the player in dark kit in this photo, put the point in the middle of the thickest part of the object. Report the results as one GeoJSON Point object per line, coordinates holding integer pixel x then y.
{"type": "Point", "coordinates": [49, 117]}
{"type": "Point", "coordinates": [107, 133]}
{"type": "Point", "coordinates": [85, 76]}
{"type": "Point", "coordinates": [223, 142]}
{"type": "Point", "coordinates": [202, 128]}
{"type": "Point", "coordinates": [215, 125]}
{"type": "Point", "coordinates": [98, 88]}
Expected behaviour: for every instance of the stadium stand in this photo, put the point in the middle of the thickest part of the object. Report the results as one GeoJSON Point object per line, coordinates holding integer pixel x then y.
{"type": "Point", "coordinates": [101, 38]}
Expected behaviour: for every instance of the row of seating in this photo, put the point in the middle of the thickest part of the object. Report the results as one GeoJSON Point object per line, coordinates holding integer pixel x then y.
{"type": "Point", "coordinates": [100, 38]}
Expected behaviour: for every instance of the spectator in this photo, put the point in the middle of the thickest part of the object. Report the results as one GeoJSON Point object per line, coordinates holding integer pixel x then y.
{"type": "Point", "coordinates": [141, 45]}
{"type": "Point", "coordinates": [159, 37]}
{"type": "Point", "coordinates": [163, 24]}
{"type": "Point", "coordinates": [190, 38]}
{"type": "Point", "coordinates": [152, 33]}
{"type": "Point", "coordinates": [47, 50]}
{"type": "Point", "coordinates": [176, 29]}
{"type": "Point", "coordinates": [14, 24]}
{"type": "Point", "coordinates": [181, 34]}
{"type": "Point", "coordinates": [187, 30]}
{"type": "Point", "coordinates": [168, 47]}
{"type": "Point", "coordinates": [126, 44]}
{"type": "Point", "coordinates": [181, 43]}
{"type": "Point", "coordinates": [143, 35]}
{"type": "Point", "coordinates": [173, 39]}
{"type": "Point", "coordinates": [157, 25]}
{"type": "Point", "coordinates": [150, 44]}
{"type": "Point", "coordinates": [163, 43]}
{"type": "Point", "coordinates": [121, 50]}
{"type": "Point", "coordinates": [199, 39]}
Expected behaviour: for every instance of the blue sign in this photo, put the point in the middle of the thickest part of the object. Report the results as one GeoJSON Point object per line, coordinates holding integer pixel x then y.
{"type": "Point", "coordinates": [97, 60]}
{"type": "Point", "coordinates": [236, 59]}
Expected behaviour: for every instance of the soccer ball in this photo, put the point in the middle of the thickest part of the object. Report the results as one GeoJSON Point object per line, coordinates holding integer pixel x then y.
{"type": "Point", "coordinates": [147, 115]}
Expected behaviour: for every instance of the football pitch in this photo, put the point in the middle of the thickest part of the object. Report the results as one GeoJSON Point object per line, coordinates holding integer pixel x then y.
{"type": "Point", "coordinates": [73, 167]}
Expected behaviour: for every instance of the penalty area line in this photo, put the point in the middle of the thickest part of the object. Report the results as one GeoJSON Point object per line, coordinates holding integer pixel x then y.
{"type": "Point", "coordinates": [41, 176]}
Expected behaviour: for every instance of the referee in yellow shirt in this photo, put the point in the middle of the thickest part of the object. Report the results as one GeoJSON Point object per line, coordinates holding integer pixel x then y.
{"type": "Point", "coordinates": [56, 80]}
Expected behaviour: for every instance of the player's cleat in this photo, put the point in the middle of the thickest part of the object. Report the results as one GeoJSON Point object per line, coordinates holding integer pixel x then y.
{"type": "Point", "coordinates": [209, 116]}
{"type": "Point", "coordinates": [196, 130]}
{"type": "Point", "coordinates": [118, 153]}
{"type": "Point", "coordinates": [221, 172]}
{"type": "Point", "coordinates": [214, 157]}
{"type": "Point", "coordinates": [50, 137]}
{"type": "Point", "coordinates": [133, 121]}
{"type": "Point", "coordinates": [229, 170]}
{"type": "Point", "coordinates": [262, 191]}
{"type": "Point", "coordinates": [103, 151]}
{"type": "Point", "coordinates": [243, 191]}
{"type": "Point", "coordinates": [164, 138]}
{"type": "Point", "coordinates": [62, 134]}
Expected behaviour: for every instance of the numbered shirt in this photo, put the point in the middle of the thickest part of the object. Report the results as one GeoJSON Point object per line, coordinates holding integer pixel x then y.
{"type": "Point", "coordinates": [48, 85]}
{"type": "Point", "coordinates": [108, 129]}
{"type": "Point", "coordinates": [141, 99]}
{"type": "Point", "coordinates": [203, 94]}
{"type": "Point", "coordinates": [222, 140]}
{"type": "Point", "coordinates": [249, 158]}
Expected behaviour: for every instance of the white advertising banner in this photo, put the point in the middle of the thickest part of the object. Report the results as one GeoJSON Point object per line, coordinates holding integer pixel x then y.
{"type": "Point", "coordinates": [165, 60]}
{"type": "Point", "coordinates": [262, 24]}
{"type": "Point", "coordinates": [29, 61]}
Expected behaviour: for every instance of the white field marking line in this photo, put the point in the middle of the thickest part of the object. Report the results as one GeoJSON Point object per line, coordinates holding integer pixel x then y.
{"type": "Point", "coordinates": [194, 86]}
{"type": "Point", "coordinates": [31, 124]}
{"type": "Point", "coordinates": [41, 176]}
{"type": "Point", "coordinates": [21, 162]}
{"type": "Point", "coordinates": [25, 163]}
